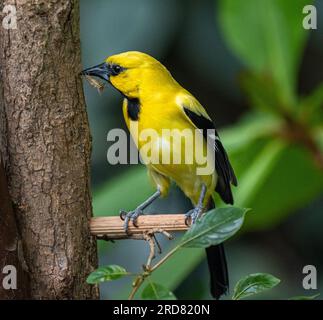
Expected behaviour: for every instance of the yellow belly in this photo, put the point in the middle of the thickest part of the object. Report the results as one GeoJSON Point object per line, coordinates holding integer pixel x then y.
{"type": "Point", "coordinates": [169, 147]}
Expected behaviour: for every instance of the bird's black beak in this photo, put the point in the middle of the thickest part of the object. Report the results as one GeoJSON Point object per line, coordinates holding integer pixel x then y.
{"type": "Point", "coordinates": [101, 71]}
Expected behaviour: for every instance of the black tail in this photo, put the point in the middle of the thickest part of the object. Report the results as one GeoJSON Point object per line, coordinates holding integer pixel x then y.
{"type": "Point", "coordinates": [218, 269]}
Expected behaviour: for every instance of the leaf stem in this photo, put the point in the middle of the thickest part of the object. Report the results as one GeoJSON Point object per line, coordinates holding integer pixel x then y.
{"type": "Point", "coordinates": [141, 278]}
{"type": "Point", "coordinates": [167, 256]}
{"type": "Point", "coordinates": [138, 282]}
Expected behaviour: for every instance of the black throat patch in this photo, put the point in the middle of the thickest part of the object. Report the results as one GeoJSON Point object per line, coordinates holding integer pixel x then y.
{"type": "Point", "coordinates": [133, 108]}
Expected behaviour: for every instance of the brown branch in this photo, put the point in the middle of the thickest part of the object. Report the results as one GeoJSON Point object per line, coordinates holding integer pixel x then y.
{"type": "Point", "coordinates": [111, 228]}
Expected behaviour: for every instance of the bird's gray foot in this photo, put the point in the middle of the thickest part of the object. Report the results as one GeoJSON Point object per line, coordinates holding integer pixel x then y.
{"type": "Point", "coordinates": [133, 215]}
{"type": "Point", "coordinates": [130, 216]}
{"type": "Point", "coordinates": [193, 215]}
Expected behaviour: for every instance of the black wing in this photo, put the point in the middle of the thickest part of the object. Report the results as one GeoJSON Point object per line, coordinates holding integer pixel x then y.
{"type": "Point", "coordinates": [223, 167]}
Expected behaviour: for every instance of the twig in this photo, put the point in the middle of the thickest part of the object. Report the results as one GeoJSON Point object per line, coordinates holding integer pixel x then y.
{"type": "Point", "coordinates": [158, 245]}
{"type": "Point", "coordinates": [111, 228]}
{"type": "Point", "coordinates": [135, 286]}
{"type": "Point", "coordinates": [150, 237]}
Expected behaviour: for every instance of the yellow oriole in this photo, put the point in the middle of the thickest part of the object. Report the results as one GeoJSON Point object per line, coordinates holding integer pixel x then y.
{"type": "Point", "coordinates": [154, 100]}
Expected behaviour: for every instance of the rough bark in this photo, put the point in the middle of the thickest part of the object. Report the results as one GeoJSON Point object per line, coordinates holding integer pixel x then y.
{"type": "Point", "coordinates": [10, 245]}
{"type": "Point", "coordinates": [46, 146]}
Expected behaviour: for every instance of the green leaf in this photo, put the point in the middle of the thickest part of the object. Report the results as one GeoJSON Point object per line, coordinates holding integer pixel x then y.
{"type": "Point", "coordinates": [313, 297]}
{"type": "Point", "coordinates": [268, 36]}
{"type": "Point", "coordinates": [253, 284]}
{"type": "Point", "coordinates": [108, 273]}
{"type": "Point", "coordinates": [214, 227]}
{"type": "Point", "coordinates": [155, 291]}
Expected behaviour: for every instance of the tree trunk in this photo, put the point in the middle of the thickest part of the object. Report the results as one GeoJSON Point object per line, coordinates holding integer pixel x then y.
{"type": "Point", "coordinates": [46, 147]}
{"type": "Point", "coordinates": [10, 248]}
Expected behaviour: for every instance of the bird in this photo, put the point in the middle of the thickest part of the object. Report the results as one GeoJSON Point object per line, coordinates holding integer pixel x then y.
{"type": "Point", "coordinates": [153, 99]}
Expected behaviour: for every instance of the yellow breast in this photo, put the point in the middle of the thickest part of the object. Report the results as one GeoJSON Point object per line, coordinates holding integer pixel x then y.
{"type": "Point", "coordinates": [167, 143]}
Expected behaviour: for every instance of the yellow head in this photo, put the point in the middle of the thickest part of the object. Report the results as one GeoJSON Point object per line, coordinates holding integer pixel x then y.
{"type": "Point", "coordinates": [133, 73]}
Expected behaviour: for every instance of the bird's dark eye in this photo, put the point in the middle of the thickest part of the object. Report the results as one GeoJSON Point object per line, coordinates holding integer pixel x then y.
{"type": "Point", "coordinates": [116, 69]}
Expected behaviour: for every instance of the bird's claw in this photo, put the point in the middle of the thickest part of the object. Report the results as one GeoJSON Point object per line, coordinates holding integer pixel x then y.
{"type": "Point", "coordinates": [130, 216]}
{"type": "Point", "coordinates": [188, 218]}
{"type": "Point", "coordinates": [193, 215]}
{"type": "Point", "coordinates": [122, 214]}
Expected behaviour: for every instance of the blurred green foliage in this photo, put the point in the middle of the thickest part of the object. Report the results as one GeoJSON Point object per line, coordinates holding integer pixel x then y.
{"type": "Point", "coordinates": [268, 36]}
{"type": "Point", "coordinates": [271, 144]}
